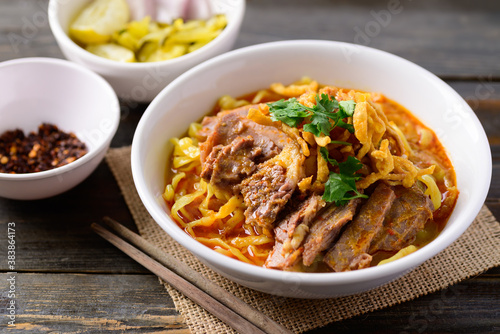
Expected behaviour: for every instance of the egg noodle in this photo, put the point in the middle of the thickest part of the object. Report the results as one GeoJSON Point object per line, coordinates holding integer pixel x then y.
{"type": "Point", "coordinates": [216, 218]}
{"type": "Point", "coordinates": [215, 208]}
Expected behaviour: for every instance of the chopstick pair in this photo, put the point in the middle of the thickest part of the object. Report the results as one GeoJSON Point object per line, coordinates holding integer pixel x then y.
{"type": "Point", "coordinates": [233, 311]}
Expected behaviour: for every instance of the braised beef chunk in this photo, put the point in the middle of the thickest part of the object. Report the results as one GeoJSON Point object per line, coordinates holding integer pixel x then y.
{"type": "Point", "coordinates": [276, 259]}
{"type": "Point", "coordinates": [227, 166]}
{"type": "Point", "coordinates": [285, 233]}
{"type": "Point", "coordinates": [326, 229]}
{"type": "Point", "coordinates": [227, 126]}
{"type": "Point", "coordinates": [349, 251]}
{"type": "Point", "coordinates": [265, 193]}
{"type": "Point", "coordinates": [301, 213]}
{"type": "Point", "coordinates": [208, 124]}
{"type": "Point", "coordinates": [260, 161]}
{"type": "Point", "coordinates": [408, 215]}
{"type": "Point", "coordinates": [279, 259]}
{"type": "Point", "coordinates": [361, 261]}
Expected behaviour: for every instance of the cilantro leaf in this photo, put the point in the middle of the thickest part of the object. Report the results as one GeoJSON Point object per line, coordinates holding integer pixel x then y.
{"type": "Point", "coordinates": [339, 185]}
{"type": "Point", "coordinates": [325, 104]}
{"type": "Point", "coordinates": [290, 112]}
{"type": "Point", "coordinates": [335, 189]}
{"type": "Point", "coordinates": [324, 116]}
{"type": "Point", "coordinates": [325, 155]}
{"type": "Point", "coordinates": [347, 126]}
{"type": "Point", "coordinates": [319, 124]}
{"type": "Point", "coordinates": [350, 167]}
{"type": "Point", "coordinates": [322, 112]}
{"type": "Point", "coordinates": [347, 108]}
{"type": "Point", "coordinates": [340, 142]}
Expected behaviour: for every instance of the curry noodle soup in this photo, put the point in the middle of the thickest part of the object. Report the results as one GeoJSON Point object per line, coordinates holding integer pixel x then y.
{"type": "Point", "coordinates": [311, 178]}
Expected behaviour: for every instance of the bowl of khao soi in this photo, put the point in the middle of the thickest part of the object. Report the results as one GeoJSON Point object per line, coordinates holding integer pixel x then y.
{"type": "Point", "coordinates": [326, 180]}
{"type": "Point", "coordinates": [311, 178]}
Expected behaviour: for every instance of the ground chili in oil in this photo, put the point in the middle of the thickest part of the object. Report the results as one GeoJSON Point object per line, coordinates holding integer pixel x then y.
{"type": "Point", "coordinates": [36, 152]}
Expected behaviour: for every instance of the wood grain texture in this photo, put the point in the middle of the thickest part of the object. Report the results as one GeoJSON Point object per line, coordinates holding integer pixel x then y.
{"type": "Point", "coordinates": [139, 304]}
{"type": "Point", "coordinates": [456, 39]}
{"type": "Point", "coordinates": [76, 303]}
{"type": "Point", "coordinates": [25, 30]}
{"type": "Point", "coordinates": [223, 312]}
{"type": "Point", "coordinates": [72, 281]}
{"type": "Point", "coordinates": [54, 235]}
{"type": "Point", "coordinates": [449, 38]}
{"type": "Point", "coordinates": [463, 308]}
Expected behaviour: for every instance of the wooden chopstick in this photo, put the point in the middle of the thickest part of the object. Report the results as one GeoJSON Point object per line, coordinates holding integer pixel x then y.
{"type": "Point", "coordinates": [191, 278]}
{"type": "Point", "coordinates": [259, 319]}
{"type": "Point", "coordinates": [231, 318]}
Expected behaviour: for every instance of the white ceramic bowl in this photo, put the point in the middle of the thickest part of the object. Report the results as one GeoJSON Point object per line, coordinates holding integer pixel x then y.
{"type": "Point", "coordinates": [45, 90]}
{"type": "Point", "coordinates": [141, 81]}
{"type": "Point", "coordinates": [246, 70]}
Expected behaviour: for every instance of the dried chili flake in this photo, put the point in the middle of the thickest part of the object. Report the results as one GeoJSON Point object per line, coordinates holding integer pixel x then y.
{"type": "Point", "coordinates": [36, 152]}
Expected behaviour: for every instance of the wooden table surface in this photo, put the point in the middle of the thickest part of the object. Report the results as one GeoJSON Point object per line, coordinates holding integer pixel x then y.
{"type": "Point", "coordinates": [69, 280]}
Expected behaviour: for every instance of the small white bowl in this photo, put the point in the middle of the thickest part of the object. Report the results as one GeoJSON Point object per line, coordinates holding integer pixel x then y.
{"type": "Point", "coordinates": [141, 81]}
{"type": "Point", "coordinates": [45, 90]}
{"type": "Point", "coordinates": [246, 70]}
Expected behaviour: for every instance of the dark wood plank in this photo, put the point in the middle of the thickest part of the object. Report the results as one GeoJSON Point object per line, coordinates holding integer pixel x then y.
{"type": "Point", "coordinates": [478, 91]}
{"type": "Point", "coordinates": [468, 307]}
{"type": "Point", "coordinates": [131, 113]}
{"type": "Point", "coordinates": [456, 39]}
{"type": "Point", "coordinates": [74, 303]}
{"type": "Point", "coordinates": [25, 30]}
{"type": "Point", "coordinates": [450, 38]}
{"type": "Point", "coordinates": [488, 114]}
{"type": "Point", "coordinates": [484, 98]}
{"type": "Point", "coordinates": [138, 303]}
{"type": "Point", "coordinates": [54, 235]}
{"type": "Point", "coordinates": [494, 206]}
{"type": "Point", "coordinates": [494, 192]}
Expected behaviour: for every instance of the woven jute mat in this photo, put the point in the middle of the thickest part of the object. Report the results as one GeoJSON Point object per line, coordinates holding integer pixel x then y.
{"type": "Point", "coordinates": [477, 250]}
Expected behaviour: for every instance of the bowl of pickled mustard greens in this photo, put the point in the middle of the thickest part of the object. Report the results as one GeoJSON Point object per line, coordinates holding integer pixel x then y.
{"type": "Point", "coordinates": [140, 46]}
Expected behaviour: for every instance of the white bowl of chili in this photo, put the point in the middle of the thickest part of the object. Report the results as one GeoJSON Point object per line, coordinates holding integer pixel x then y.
{"type": "Point", "coordinates": [52, 91]}
{"type": "Point", "coordinates": [193, 95]}
{"type": "Point", "coordinates": [142, 81]}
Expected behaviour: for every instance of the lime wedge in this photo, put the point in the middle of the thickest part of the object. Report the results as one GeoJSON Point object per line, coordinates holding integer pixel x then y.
{"type": "Point", "coordinates": [99, 20]}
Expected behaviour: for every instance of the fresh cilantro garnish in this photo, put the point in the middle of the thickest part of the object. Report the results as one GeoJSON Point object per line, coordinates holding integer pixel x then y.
{"type": "Point", "coordinates": [293, 113]}
{"type": "Point", "coordinates": [340, 142]}
{"type": "Point", "coordinates": [321, 112]}
{"type": "Point", "coordinates": [290, 112]}
{"type": "Point", "coordinates": [339, 185]}
{"type": "Point", "coordinates": [325, 155]}
{"type": "Point", "coordinates": [346, 109]}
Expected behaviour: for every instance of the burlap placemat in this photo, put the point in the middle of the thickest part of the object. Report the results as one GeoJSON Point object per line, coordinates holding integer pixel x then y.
{"type": "Point", "coordinates": [477, 250]}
